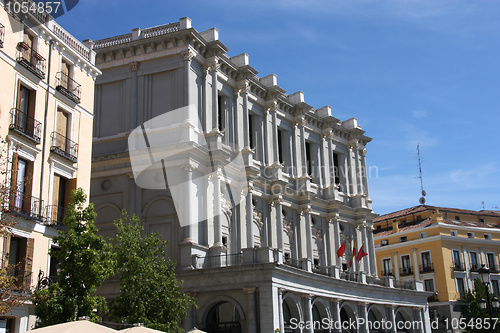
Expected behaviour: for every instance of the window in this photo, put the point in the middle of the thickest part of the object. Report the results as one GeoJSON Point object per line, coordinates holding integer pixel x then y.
{"type": "Point", "coordinates": [457, 261]}
{"type": "Point", "coordinates": [474, 263]}
{"type": "Point", "coordinates": [29, 58]}
{"type": "Point", "coordinates": [386, 267]}
{"type": "Point", "coordinates": [406, 265]}
{"type": "Point", "coordinates": [61, 137]}
{"type": "Point", "coordinates": [453, 233]}
{"type": "Point", "coordinates": [53, 264]}
{"type": "Point", "coordinates": [20, 254]}
{"type": "Point", "coordinates": [426, 262]}
{"type": "Point", "coordinates": [251, 131]}
{"type": "Point", "coordinates": [423, 235]}
{"type": "Point", "coordinates": [281, 149]}
{"type": "Point", "coordinates": [337, 169]}
{"type": "Point", "coordinates": [457, 218]}
{"type": "Point", "coordinates": [66, 85]}
{"type": "Point", "coordinates": [460, 286]}
{"type": "Point", "coordinates": [224, 240]}
{"type": "Point", "coordinates": [61, 196]}
{"type": "Point", "coordinates": [429, 285]}
{"type": "Point", "coordinates": [384, 242]}
{"type": "Point", "coordinates": [481, 220]}
{"type": "Point", "coordinates": [403, 239]}
{"type": "Point", "coordinates": [495, 287]}
{"type": "Point", "coordinates": [487, 236]}
{"type": "Point", "coordinates": [221, 114]}
{"type": "Point", "coordinates": [309, 165]}
{"type": "Point", "coordinates": [470, 235]}
{"type": "Point", "coordinates": [23, 115]}
{"type": "Point", "coordinates": [492, 264]}
{"type": "Point", "coordinates": [21, 185]}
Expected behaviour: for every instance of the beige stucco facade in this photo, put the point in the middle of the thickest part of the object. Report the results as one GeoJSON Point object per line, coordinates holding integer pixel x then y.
{"type": "Point", "coordinates": [46, 120]}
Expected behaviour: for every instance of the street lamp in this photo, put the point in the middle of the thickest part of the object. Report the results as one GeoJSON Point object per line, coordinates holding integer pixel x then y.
{"type": "Point", "coordinates": [485, 278]}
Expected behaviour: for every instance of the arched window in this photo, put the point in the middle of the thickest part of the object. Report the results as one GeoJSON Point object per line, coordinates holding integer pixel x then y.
{"type": "Point", "coordinates": [223, 317]}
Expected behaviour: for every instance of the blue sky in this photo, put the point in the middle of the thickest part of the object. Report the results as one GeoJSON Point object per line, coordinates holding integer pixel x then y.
{"type": "Point", "coordinates": [411, 72]}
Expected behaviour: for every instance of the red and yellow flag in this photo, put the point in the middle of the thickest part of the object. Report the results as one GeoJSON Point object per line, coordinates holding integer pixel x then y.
{"type": "Point", "coordinates": [353, 252]}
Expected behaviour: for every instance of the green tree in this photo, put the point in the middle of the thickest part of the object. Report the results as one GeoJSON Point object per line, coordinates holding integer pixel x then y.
{"type": "Point", "coordinates": [473, 314]}
{"type": "Point", "coordinates": [149, 291]}
{"type": "Point", "coordinates": [86, 260]}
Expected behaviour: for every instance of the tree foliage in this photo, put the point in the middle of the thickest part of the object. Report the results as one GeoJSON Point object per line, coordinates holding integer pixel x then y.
{"type": "Point", "coordinates": [149, 291]}
{"type": "Point", "coordinates": [471, 310]}
{"type": "Point", "coordinates": [86, 260]}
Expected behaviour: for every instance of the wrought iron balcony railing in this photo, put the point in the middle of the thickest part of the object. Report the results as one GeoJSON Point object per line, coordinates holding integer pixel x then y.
{"type": "Point", "coordinates": [475, 267]}
{"type": "Point", "coordinates": [64, 147]}
{"type": "Point", "coordinates": [25, 125]}
{"type": "Point", "coordinates": [22, 278]}
{"type": "Point", "coordinates": [387, 272]}
{"type": "Point", "coordinates": [24, 204]}
{"type": "Point", "coordinates": [318, 269]}
{"type": "Point", "coordinates": [426, 268]}
{"type": "Point", "coordinates": [405, 271]}
{"type": "Point", "coordinates": [30, 59]}
{"type": "Point", "coordinates": [55, 215]}
{"type": "Point", "coordinates": [68, 87]}
{"type": "Point", "coordinates": [292, 262]}
{"type": "Point", "coordinates": [2, 34]}
{"type": "Point", "coordinates": [458, 266]}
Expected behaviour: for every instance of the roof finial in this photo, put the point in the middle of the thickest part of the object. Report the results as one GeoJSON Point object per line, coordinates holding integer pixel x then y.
{"type": "Point", "coordinates": [422, 198]}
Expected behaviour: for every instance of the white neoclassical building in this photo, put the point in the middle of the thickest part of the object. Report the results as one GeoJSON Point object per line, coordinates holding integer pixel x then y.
{"type": "Point", "coordinates": [258, 251]}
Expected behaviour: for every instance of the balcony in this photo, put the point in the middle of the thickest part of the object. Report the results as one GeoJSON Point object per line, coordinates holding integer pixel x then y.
{"type": "Point", "coordinates": [458, 266]}
{"type": "Point", "coordinates": [24, 204]}
{"type": "Point", "coordinates": [475, 267]}
{"type": "Point", "coordinates": [323, 270]}
{"type": "Point", "coordinates": [55, 215]}
{"type": "Point", "coordinates": [30, 59]}
{"type": "Point", "coordinates": [493, 269]}
{"type": "Point", "coordinates": [64, 147]}
{"type": "Point", "coordinates": [68, 87]}
{"type": "Point", "coordinates": [433, 298]}
{"type": "Point", "coordinates": [426, 268]}
{"type": "Point", "coordinates": [22, 279]}
{"type": "Point", "coordinates": [2, 34]}
{"type": "Point", "coordinates": [292, 262]}
{"type": "Point", "coordinates": [387, 272]}
{"type": "Point", "coordinates": [225, 260]}
{"type": "Point", "coordinates": [405, 271]}
{"type": "Point", "coordinates": [25, 125]}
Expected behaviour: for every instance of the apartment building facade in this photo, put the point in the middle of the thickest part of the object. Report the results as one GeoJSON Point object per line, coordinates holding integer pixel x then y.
{"type": "Point", "coordinates": [46, 118]}
{"type": "Point", "coordinates": [442, 247]}
{"type": "Point", "coordinates": [261, 257]}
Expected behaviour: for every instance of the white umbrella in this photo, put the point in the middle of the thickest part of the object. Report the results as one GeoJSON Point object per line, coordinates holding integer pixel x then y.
{"type": "Point", "coordinates": [80, 326]}
{"type": "Point", "coordinates": [195, 330]}
{"type": "Point", "coordinates": [139, 329]}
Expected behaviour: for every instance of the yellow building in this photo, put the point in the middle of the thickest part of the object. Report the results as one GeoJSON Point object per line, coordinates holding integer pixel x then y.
{"type": "Point", "coordinates": [46, 118]}
{"type": "Point", "coordinates": [443, 247]}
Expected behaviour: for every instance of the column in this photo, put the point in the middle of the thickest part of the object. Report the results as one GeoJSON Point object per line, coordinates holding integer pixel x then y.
{"type": "Point", "coordinates": [358, 173]}
{"type": "Point", "coordinates": [251, 309]}
{"type": "Point", "coordinates": [417, 315]}
{"type": "Point", "coordinates": [363, 314]}
{"type": "Point", "coordinates": [279, 222]}
{"type": "Point", "coordinates": [371, 253]}
{"type": "Point", "coordinates": [331, 165]}
{"type": "Point", "coordinates": [396, 265]}
{"type": "Point", "coordinates": [203, 116]}
{"type": "Point", "coordinates": [303, 149]}
{"type": "Point", "coordinates": [364, 173]}
{"type": "Point", "coordinates": [336, 322]}
{"type": "Point", "coordinates": [336, 235]}
{"type": "Point", "coordinates": [308, 312]}
{"type": "Point", "coordinates": [272, 109]}
{"type": "Point", "coordinates": [249, 216]}
{"type": "Point", "coordinates": [280, 309]}
{"type": "Point", "coordinates": [325, 164]}
{"type": "Point", "coordinates": [188, 199]}
{"type": "Point", "coordinates": [135, 94]}
{"type": "Point", "coordinates": [307, 217]}
{"type": "Point", "coordinates": [187, 56]}
{"type": "Point", "coordinates": [272, 222]}
{"type": "Point", "coordinates": [415, 264]}
{"type": "Point", "coordinates": [391, 317]}
{"type": "Point", "coordinates": [217, 208]}
{"type": "Point", "coordinates": [246, 134]}
{"type": "Point", "coordinates": [267, 138]}
{"type": "Point", "coordinates": [296, 155]}
{"type": "Point", "coordinates": [366, 259]}
{"type": "Point", "coordinates": [214, 66]}
{"type": "Point", "coordinates": [352, 169]}
{"type": "Point", "coordinates": [331, 244]}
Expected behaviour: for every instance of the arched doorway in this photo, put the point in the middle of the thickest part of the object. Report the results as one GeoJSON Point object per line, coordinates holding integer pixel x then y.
{"type": "Point", "coordinates": [290, 311]}
{"type": "Point", "coordinates": [403, 323]}
{"type": "Point", "coordinates": [375, 322]}
{"type": "Point", "coordinates": [223, 317]}
{"type": "Point", "coordinates": [347, 316]}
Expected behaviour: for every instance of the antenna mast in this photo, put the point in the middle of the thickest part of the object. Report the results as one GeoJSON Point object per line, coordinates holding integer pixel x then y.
{"type": "Point", "coordinates": [422, 198]}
